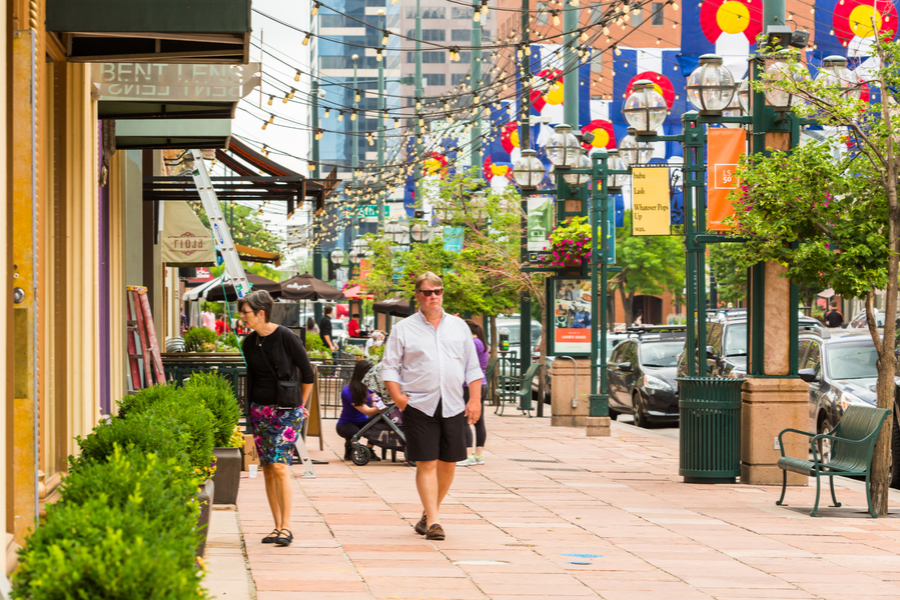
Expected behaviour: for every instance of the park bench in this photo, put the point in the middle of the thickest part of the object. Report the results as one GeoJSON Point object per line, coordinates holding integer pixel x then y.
{"type": "Point", "coordinates": [517, 389]}
{"type": "Point", "coordinates": [853, 442]}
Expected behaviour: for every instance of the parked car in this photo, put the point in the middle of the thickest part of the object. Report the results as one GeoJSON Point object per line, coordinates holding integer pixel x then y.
{"type": "Point", "coordinates": [859, 321]}
{"type": "Point", "coordinates": [726, 346]}
{"type": "Point", "coordinates": [641, 375]}
{"type": "Point", "coordinates": [841, 372]}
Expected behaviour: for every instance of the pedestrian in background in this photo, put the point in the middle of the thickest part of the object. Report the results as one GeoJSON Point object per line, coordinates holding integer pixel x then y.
{"type": "Point", "coordinates": [477, 455]}
{"type": "Point", "coordinates": [311, 326]}
{"type": "Point", "coordinates": [834, 318]}
{"type": "Point", "coordinates": [274, 355]}
{"type": "Point", "coordinates": [325, 331]}
{"type": "Point", "coordinates": [356, 408]}
{"type": "Point", "coordinates": [427, 359]}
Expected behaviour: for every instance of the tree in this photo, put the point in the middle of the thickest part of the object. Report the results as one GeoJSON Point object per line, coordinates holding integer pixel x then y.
{"type": "Point", "coordinates": [650, 265]}
{"type": "Point", "coordinates": [832, 216]}
{"type": "Point", "coordinates": [731, 276]}
{"type": "Point", "coordinates": [245, 226]}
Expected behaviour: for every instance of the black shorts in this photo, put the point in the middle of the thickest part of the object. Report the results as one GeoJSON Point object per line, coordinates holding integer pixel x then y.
{"type": "Point", "coordinates": [434, 438]}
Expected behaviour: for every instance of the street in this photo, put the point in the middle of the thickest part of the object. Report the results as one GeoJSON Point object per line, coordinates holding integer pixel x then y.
{"type": "Point", "coordinates": [554, 514]}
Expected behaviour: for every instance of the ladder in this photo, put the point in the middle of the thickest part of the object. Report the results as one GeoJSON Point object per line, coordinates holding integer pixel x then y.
{"type": "Point", "coordinates": [221, 234]}
{"type": "Point", "coordinates": [140, 323]}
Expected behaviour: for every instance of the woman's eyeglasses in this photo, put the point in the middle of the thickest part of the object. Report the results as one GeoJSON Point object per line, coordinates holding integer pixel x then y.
{"type": "Point", "coordinates": [428, 293]}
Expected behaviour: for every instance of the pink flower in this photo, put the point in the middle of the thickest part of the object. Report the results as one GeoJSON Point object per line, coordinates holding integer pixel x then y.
{"type": "Point", "coordinates": [289, 434]}
{"type": "Point", "coordinates": [268, 411]}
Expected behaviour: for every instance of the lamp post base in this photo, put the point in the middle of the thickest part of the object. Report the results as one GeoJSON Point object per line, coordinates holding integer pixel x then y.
{"type": "Point", "coordinates": [598, 427]}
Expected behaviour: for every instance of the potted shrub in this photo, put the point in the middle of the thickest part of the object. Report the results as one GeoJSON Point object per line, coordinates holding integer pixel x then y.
{"type": "Point", "coordinates": [200, 339]}
{"type": "Point", "coordinates": [570, 243]}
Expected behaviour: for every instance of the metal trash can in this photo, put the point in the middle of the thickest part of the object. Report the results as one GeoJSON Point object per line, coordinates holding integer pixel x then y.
{"type": "Point", "coordinates": [710, 435]}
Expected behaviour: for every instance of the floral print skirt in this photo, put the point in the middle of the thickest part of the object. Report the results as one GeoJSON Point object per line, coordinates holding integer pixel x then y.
{"type": "Point", "coordinates": [275, 432]}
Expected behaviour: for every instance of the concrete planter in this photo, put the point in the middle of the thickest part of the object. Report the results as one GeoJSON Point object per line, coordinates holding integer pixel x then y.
{"type": "Point", "coordinates": [205, 496]}
{"type": "Point", "coordinates": [227, 477]}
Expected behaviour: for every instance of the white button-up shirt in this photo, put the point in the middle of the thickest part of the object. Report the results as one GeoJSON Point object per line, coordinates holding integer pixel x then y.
{"type": "Point", "coordinates": [432, 364]}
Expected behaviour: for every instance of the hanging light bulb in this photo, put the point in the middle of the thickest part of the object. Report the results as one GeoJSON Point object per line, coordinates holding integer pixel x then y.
{"type": "Point", "coordinates": [265, 124]}
{"type": "Point", "coordinates": [378, 55]}
{"type": "Point", "coordinates": [555, 14]}
{"type": "Point", "coordinates": [297, 76]}
{"type": "Point", "coordinates": [353, 116]}
{"type": "Point", "coordinates": [271, 98]}
{"type": "Point", "coordinates": [306, 39]}
{"type": "Point", "coordinates": [327, 113]}
{"type": "Point", "coordinates": [271, 118]}
{"type": "Point", "coordinates": [340, 115]}
{"type": "Point", "coordinates": [477, 16]}
{"type": "Point", "coordinates": [484, 7]}
{"type": "Point", "coordinates": [418, 104]}
{"type": "Point", "coordinates": [396, 123]}
{"type": "Point", "coordinates": [358, 96]}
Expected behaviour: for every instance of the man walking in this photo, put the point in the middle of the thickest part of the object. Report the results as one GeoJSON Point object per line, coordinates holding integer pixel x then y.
{"type": "Point", "coordinates": [834, 318]}
{"type": "Point", "coordinates": [325, 330]}
{"type": "Point", "coordinates": [428, 358]}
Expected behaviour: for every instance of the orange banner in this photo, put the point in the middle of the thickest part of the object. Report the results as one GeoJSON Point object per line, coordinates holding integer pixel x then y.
{"type": "Point", "coordinates": [726, 146]}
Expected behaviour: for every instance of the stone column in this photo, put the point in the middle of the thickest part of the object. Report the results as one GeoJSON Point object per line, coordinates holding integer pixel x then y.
{"type": "Point", "coordinates": [564, 374]}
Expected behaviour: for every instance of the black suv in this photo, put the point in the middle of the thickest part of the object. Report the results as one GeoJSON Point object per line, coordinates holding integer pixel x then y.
{"type": "Point", "coordinates": [726, 346]}
{"type": "Point", "coordinates": [641, 374]}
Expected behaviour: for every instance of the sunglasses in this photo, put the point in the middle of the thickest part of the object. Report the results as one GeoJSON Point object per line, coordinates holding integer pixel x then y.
{"type": "Point", "coordinates": [428, 293]}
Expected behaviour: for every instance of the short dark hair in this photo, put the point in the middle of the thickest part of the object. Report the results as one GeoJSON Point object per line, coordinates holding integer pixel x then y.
{"type": "Point", "coordinates": [834, 304]}
{"type": "Point", "coordinates": [260, 300]}
{"type": "Point", "coordinates": [355, 316]}
{"type": "Point", "coordinates": [327, 310]}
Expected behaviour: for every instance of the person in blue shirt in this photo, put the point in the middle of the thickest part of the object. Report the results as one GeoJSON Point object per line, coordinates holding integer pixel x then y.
{"type": "Point", "coordinates": [357, 407]}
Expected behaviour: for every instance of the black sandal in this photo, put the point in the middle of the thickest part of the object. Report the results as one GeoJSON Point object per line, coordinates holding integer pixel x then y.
{"type": "Point", "coordinates": [285, 537]}
{"type": "Point", "coordinates": [270, 539]}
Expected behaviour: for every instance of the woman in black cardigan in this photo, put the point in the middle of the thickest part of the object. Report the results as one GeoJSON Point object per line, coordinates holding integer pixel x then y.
{"type": "Point", "coordinates": [273, 353]}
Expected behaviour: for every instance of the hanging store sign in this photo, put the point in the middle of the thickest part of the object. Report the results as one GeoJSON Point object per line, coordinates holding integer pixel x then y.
{"type": "Point", "coordinates": [726, 146]}
{"type": "Point", "coordinates": [174, 82]}
{"type": "Point", "coordinates": [651, 206]}
{"type": "Point", "coordinates": [540, 222]}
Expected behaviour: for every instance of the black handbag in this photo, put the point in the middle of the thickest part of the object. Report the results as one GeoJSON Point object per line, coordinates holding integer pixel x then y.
{"type": "Point", "coordinates": [289, 395]}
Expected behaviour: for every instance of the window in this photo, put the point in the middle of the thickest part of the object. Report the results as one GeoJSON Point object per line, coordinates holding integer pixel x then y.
{"type": "Point", "coordinates": [637, 19]}
{"type": "Point", "coordinates": [597, 61]}
{"type": "Point", "coordinates": [465, 57]}
{"type": "Point", "coordinates": [461, 35]}
{"type": "Point", "coordinates": [434, 13]}
{"type": "Point", "coordinates": [410, 12]}
{"type": "Point", "coordinates": [813, 357]}
{"type": "Point", "coordinates": [435, 79]}
{"type": "Point", "coordinates": [433, 57]}
{"type": "Point", "coordinates": [657, 10]}
{"type": "Point", "coordinates": [543, 15]}
{"type": "Point", "coordinates": [457, 78]}
{"type": "Point", "coordinates": [428, 35]}
{"type": "Point", "coordinates": [337, 21]}
{"type": "Point", "coordinates": [457, 12]}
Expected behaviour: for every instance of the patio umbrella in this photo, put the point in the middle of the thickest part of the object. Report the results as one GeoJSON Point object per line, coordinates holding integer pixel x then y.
{"type": "Point", "coordinates": [307, 287]}
{"type": "Point", "coordinates": [393, 306]}
{"type": "Point", "coordinates": [215, 293]}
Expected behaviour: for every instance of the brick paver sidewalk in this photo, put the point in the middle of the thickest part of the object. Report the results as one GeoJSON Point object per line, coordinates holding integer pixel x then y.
{"type": "Point", "coordinates": [554, 514]}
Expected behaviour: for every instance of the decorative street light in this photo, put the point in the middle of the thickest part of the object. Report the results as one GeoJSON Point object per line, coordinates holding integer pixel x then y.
{"type": "Point", "coordinates": [563, 148]}
{"type": "Point", "coordinates": [579, 179]}
{"type": "Point", "coordinates": [834, 74]}
{"type": "Point", "coordinates": [743, 94]}
{"type": "Point", "coordinates": [356, 256]}
{"type": "Point", "coordinates": [528, 170]}
{"type": "Point", "coordinates": [782, 69]}
{"type": "Point", "coordinates": [615, 163]}
{"type": "Point", "coordinates": [336, 257]}
{"type": "Point", "coordinates": [711, 86]}
{"type": "Point", "coordinates": [645, 109]}
{"type": "Point", "coordinates": [634, 152]}
{"type": "Point", "coordinates": [419, 232]}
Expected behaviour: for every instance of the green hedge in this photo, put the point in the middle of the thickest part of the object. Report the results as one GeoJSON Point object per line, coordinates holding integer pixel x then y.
{"type": "Point", "coordinates": [125, 528]}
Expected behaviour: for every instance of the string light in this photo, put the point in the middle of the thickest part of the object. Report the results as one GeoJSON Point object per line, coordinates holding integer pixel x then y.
{"type": "Point", "coordinates": [297, 76]}
{"type": "Point", "coordinates": [306, 39]}
{"type": "Point", "coordinates": [327, 113]}
{"type": "Point", "coordinates": [315, 9]}
{"type": "Point", "coordinates": [271, 98]}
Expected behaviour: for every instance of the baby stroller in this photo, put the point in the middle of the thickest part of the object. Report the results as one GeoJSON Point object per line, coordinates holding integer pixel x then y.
{"type": "Point", "coordinates": [383, 430]}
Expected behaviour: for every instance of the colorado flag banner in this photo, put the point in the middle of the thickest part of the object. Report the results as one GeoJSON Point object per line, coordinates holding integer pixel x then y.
{"type": "Point", "coordinates": [727, 28]}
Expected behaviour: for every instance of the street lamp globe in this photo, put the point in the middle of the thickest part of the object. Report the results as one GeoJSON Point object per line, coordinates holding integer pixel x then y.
{"type": "Point", "coordinates": [337, 257]}
{"type": "Point", "coordinates": [645, 109]}
{"type": "Point", "coordinates": [711, 86]}
{"type": "Point", "coordinates": [743, 95]}
{"type": "Point", "coordinates": [835, 75]}
{"type": "Point", "coordinates": [634, 152]}
{"type": "Point", "coordinates": [563, 148]}
{"type": "Point", "coordinates": [356, 256]}
{"type": "Point", "coordinates": [614, 162]}
{"type": "Point", "coordinates": [783, 69]}
{"type": "Point", "coordinates": [579, 179]}
{"type": "Point", "coordinates": [528, 170]}
{"type": "Point", "coordinates": [419, 232]}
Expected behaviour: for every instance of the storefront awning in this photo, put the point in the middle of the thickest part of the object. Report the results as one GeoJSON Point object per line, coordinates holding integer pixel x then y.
{"type": "Point", "coordinates": [185, 241]}
{"type": "Point", "coordinates": [172, 133]}
{"type": "Point", "coordinates": [249, 254]}
{"type": "Point", "coordinates": [160, 31]}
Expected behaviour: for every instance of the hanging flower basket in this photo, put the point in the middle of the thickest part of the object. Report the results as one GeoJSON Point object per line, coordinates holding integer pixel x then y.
{"type": "Point", "coordinates": [570, 243]}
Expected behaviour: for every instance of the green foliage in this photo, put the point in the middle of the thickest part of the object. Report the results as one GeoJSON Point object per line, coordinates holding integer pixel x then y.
{"type": "Point", "coordinates": [146, 398]}
{"type": "Point", "coordinates": [651, 265]}
{"type": "Point", "coordinates": [228, 342]}
{"type": "Point", "coordinates": [198, 422]}
{"type": "Point", "coordinates": [315, 347]}
{"type": "Point", "coordinates": [731, 276]}
{"type": "Point", "coordinates": [246, 228]}
{"type": "Point", "coordinates": [197, 339]}
{"type": "Point", "coordinates": [217, 395]}
{"type": "Point", "coordinates": [570, 243]}
{"type": "Point", "coordinates": [124, 529]}
{"type": "Point", "coordinates": [155, 433]}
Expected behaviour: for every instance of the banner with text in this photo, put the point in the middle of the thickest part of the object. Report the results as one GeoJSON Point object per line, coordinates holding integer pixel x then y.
{"type": "Point", "coordinates": [571, 316]}
{"type": "Point", "coordinates": [650, 200]}
{"type": "Point", "coordinates": [726, 146]}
